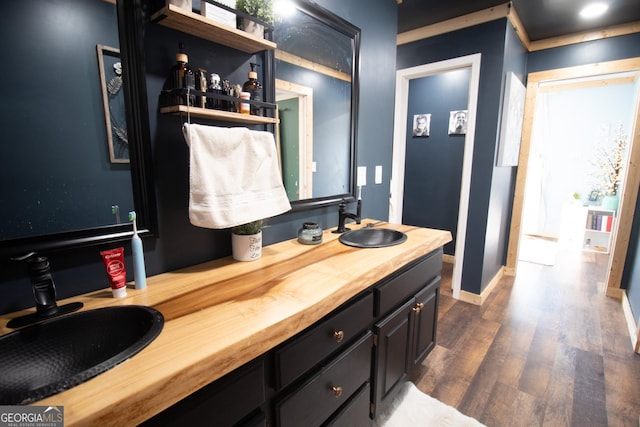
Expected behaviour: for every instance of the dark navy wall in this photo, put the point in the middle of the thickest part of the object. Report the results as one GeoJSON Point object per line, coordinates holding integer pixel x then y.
{"type": "Point", "coordinates": [489, 40]}
{"type": "Point", "coordinates": [433, 164]}
{"type": "Point", "coordinates": [631, 276]}
{"type": "Point", "coordinates": [503, 179]}
{"type": "Point", "coordinates": [180, 244]}
{"type": "Point", "coordinates": [610, 49]}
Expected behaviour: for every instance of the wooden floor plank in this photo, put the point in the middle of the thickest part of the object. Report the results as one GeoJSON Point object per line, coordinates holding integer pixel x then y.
{"type": "Point", "coordinates": [547, 348]}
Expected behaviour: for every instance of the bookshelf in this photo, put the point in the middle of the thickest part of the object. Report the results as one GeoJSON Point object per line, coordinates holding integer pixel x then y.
{"type": "Point", "coordinates": [598, 229]}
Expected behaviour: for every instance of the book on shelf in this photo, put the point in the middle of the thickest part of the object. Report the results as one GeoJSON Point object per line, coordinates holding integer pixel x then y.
{"type": "Point", "coordinates": [599, 222]}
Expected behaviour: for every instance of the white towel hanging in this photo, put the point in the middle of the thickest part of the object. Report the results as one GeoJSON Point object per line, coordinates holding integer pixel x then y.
{"type": "Point", "coordinates": [234, 176]}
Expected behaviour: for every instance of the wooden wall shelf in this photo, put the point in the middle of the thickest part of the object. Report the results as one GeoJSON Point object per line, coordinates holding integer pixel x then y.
{"type": "Point", "coordinates": [226, 116]}
{"type": "Point", "coordinates": [191, 23]}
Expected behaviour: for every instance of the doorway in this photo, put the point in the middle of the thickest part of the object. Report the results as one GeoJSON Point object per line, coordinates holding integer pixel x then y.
{"type": "Point", "coordinates": [580, 132]}
{"type": "Point", "coordinates": [403, 77]}
{"type": "Point", "coordinates": [537, 84]}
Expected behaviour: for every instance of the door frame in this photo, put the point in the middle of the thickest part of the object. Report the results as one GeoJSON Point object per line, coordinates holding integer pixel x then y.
{"type": "Point", "coordinates": [403, 77]}
{"type": "Point", "coordinates": [626, 209]}
{"type": "Point", "coordinates": [288, 90]}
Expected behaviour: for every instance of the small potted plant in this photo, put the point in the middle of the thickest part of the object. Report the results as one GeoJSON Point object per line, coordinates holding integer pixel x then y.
{"type": "Point", "coordinates": [246, 241]}
{"type": "Point", "coordinates": [261, 9]}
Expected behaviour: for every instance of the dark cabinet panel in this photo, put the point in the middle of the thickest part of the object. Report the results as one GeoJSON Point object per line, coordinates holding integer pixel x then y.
{"type": "Point", "coordinates": [425, 321]}
{"type": "Point", "coordinates": [329, 336]}
{"type": "Point", "coordinates": [394, 291]}
{"type": "Point", "coordinates": [391, 354]}
{"type": "Point", "coordinates": [222, 403]}
{"type": "Point", "coordinates": [355, 413]}
{"type": "Point", "coordinates": [314, 402]}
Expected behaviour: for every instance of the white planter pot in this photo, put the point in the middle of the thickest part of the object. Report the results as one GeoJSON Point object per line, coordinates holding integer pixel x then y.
{"type": "Point", "coordinates": [246, 247]}
{"type": "Point", "coordinates": [252, 27]}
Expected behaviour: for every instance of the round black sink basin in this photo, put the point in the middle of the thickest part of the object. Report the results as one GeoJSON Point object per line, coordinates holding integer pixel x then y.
{"type": "Point", "coordinates": [47, 358]}
{"type": "Point", "coordinates": [372, 238]}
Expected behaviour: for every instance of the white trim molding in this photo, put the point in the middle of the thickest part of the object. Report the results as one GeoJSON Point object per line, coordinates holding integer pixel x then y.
{"type": "Point", "coordinates": [400, 140]}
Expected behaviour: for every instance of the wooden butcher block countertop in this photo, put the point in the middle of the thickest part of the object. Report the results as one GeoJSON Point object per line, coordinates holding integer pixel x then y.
{"type": "Point", "coordinates": [222, 314]}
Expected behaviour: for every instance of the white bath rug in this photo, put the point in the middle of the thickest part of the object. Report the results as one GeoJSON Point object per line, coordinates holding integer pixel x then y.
{"type": "Point", "coordinates": [413, 408]}
{"type": "Point", "coordinates": [538, 251]}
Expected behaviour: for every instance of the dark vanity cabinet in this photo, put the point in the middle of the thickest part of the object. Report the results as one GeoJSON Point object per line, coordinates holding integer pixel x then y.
{"type": "Point", "coordinates": [325, 367]}
{"type": "Point", "coordinates": [340, 371]}
{"type": "Point", "coordinates": [406, 305]}
{"type": "Point", "coordinates": [235, 399]}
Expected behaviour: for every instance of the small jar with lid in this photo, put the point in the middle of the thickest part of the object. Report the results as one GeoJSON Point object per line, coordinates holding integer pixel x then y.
{"type": "Point", "coordinates": [310, 234]}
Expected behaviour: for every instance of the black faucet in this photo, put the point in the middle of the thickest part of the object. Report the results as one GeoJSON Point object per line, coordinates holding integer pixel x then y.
{"type": "Point", "coordinates": [44, 292]}
{"type": "Point", "coordinates": [342, 216]}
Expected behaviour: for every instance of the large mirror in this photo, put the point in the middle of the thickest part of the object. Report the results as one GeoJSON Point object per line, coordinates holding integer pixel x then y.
{"type": "Point", "coordinates": [74, 156]}
{"type": "Point", "coordinates": [316, 89]}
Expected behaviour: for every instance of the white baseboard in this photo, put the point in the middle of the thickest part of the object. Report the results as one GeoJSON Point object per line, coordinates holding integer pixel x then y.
{"type": "Point", "coordinates": [634, 331]}
{"type": "Point", "coordinates": [476, 299]}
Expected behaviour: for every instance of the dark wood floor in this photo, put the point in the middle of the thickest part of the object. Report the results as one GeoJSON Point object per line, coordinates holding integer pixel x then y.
{"type": "Point", "coordinates": [546, 349]}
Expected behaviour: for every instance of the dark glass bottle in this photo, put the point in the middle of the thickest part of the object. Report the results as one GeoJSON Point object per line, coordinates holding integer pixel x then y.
{"type": "Point", "coordinates": [254, 87]}
{"type": "Point", "coordinates": [183, 78]}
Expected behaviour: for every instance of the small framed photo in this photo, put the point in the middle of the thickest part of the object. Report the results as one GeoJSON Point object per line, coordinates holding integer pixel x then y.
{"type": "Point", "coordinates": [421, 125]}
{"type": "Point", "coordinates": [593, 196]}
{"type": "Point", "coordinates": [458, 122]}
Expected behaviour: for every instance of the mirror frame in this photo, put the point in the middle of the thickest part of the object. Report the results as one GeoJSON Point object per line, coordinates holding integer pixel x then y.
{"type": "Point", "coordinates": [337, 23]}
{"type": "Point", "coordinates": [130, 25]}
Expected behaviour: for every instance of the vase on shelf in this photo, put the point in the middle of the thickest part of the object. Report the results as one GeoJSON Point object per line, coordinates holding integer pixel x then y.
{"type": "Point", "coordinates": [610, 202]}
{"type": "Point", "coordinates": [253, 28]}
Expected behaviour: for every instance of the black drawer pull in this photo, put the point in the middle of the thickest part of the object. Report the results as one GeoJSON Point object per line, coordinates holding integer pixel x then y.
{"type": "Point", "coordinates": [338, 335]}
{"type": "Point", "coordinates": [337, 391]}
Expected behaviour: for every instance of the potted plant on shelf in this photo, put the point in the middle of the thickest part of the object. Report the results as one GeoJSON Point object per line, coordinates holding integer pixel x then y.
{"type": "Point", "coordinates": [246, 241]}
{"type": "Point", "coordinates": [261, 9]}
{"type": "Point", "coordinates": [610, 159]}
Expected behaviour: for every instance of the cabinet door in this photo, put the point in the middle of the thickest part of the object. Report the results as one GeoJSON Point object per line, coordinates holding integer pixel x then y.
{"type": "Point", "coordinates": [392, 359]}
{"type": "Point", "coordinates": [225, 402]}
{"type": "Point", "coordinates": [425, 321]}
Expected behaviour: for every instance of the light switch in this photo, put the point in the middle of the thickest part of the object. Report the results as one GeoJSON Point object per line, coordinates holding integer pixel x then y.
{"type": "Point", "coordinates": [378, 174]}
{"type": "Point", "coordinates": [313, 167]}
{"type": "Point", "coordinates": [362, 176]}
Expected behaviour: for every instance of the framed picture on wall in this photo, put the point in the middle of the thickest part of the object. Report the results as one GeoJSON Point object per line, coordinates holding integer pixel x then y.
{"type": "Point", "coordinates": [511, 123]}
{"type": "Point", "coordinates": [421, 125]}
{"type": "Point", "coordinates": [458, 122]}
{"type": "Point", "coordinates": [110, 69]}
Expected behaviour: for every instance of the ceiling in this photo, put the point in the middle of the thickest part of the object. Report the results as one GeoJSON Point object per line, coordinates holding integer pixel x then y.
{"type": "Point", "coordinates": [542, 19]}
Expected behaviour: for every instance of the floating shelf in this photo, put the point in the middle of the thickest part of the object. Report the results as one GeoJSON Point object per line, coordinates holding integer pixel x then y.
{"type": "Point", "coordinates": [226, 116]}
{"type": "Point", "coordinates": [191, 23]}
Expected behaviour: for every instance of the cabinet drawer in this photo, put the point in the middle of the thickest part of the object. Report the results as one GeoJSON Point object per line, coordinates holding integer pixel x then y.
{"type": "Point", "coordinates": [329, 336]}
{"type": "Point", "coordinates": [396, 290]}
{"type": "Point", "coordinates": [228, 400]}
{"type": "Point", "coordinates": [356, 412]}
{"type": "Point", "coordinates": [316, 400]}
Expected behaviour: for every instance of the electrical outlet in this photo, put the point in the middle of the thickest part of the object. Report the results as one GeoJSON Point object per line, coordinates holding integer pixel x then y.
{"type": "Point", "coordinates": [362, 176]}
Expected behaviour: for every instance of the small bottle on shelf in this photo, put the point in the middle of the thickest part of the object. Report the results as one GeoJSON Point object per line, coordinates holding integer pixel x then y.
{"type": "Point", "coordinates": [254, 88]}
{"type": "Point", "coordinates": [183, 77]}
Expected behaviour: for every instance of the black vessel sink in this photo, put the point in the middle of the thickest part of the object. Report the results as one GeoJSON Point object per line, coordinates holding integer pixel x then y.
{"type": "Point", "coordinates": [55, 355]}
{"type": "Point", "coordinates": [372, 237]}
